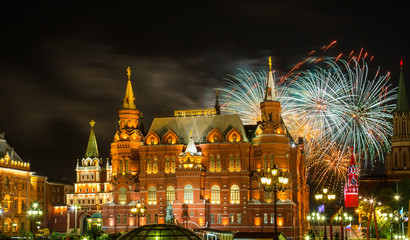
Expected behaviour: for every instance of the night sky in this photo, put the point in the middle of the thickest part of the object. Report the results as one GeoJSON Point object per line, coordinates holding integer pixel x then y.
{"type": "Point", "coordinates": [63, 64]}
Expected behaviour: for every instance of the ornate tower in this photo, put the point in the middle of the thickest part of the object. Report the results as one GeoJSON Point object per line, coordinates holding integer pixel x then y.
{"type": "Point", "coordinates": [398, 161]}
{"type": "Point", "coordinates": [127, 139]}
{"type": "Point", "coordinates": [351, 189]}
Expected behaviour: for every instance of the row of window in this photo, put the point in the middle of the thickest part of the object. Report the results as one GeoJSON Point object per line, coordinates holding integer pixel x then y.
{"type": "Point", "coordinates": [188, 195]}
{"type": "Point", "coordinates": [87, 176]}
{"type": "Point", "coordinates": [403, 159]}
{"type": "Point", "coordinates": [232, 219]}
{"type": "Point", "coordinates": [87, 201]}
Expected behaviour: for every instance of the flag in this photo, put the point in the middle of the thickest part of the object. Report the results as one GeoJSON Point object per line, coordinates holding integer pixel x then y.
{"type": "Point", "coordinates": [360, 226]}
{"type": "Point", "coordinates": [349, 227]}
{"type": "Point", "coordinates": [321, 208]}
{"type": "Point", "coordinates": [401, 211]}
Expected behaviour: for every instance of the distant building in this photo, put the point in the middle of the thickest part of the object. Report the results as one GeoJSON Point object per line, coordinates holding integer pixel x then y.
{"type": "Point", "coordinates": [397, 164]}
{"type": "Point", "coordinates": [15, 189]}
{"type": "Point", "coordinates": [205, 166]}
{"type": "Point", "coordinates": [19, 188]}
{"type": "Point", "coordinates": [92, 188]}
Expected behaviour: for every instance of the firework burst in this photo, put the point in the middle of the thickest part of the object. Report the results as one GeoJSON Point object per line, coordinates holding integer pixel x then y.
{"type": "Point", "coordinates": [334, 107]}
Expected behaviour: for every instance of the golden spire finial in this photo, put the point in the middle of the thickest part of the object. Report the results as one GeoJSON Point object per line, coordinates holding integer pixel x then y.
{"type": "Point", "coordinates": [270, 63]}
{"type": "Point", "coordinates": [92, 123]}
{"type": "Point", "coordinates": [129, 73]}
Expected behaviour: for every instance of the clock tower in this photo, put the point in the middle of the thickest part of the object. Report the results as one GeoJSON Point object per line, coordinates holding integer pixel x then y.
{"type": "Point", "coordinates": [351, 190]}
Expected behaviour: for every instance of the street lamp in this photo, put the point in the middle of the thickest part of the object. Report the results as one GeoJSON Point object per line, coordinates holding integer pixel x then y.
{"type": "Point", "coordinates": [75, 207]}
{"type": "Point", "coordinates": [139, 210]}
{"type": "Point", "coordinates": [325, 197]}
{"type": "Point", "coordinates": [344, 219]}
{"type": "Point", "coordinates": [315, 218]}
{"type": "Point", "coordinates": [274, 180]}
{"type": "Point", "coordinates": [35, 212]}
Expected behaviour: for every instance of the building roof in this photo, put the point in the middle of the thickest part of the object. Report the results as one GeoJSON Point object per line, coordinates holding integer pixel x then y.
{"type": "Point", "coordinates": [402, 104]}
{"type": "Point", "coordinates": [129, 98]}
{"type": "Point", "coordinates": [5, 148]}
{"type": "Point", "coordinates": [197, 127]}
{"type": "Point", "coordinates": [92, 147]}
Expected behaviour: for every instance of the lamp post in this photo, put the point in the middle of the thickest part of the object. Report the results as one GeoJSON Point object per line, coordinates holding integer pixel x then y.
{"type": "Point", "coordinates": [273, 181]}
{"type": "Point", "coordinates": [75, 207]}
{"type": "Point", "coordinates": [393, 218]}
{"type": "Point", "coordinates": [34, 213]}
{"type": "Point", "coordinates": [345, 218]}
{"type": "Point", "coordinates": [325, 197]}
{"type": "Point", "coordinates": [139, 209]}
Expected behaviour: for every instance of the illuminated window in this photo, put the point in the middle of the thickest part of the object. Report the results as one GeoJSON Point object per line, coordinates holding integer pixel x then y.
{"type": "Point", "coordinates": [218, 163]}
{"type": "Point", "coordinates": [231, 164]}
{"type": "Point", "coordinates": [239, 218]}
{"type": "Point", "coordinates": [268, 197]}
{"type": "Point", "coordinates": [265, 218]}
{"type": "Point", "coordinates": [265, 163]}
{"type": "Point", "coordinates": [155, 166]}
{"type": "Point", "coordinates": [173, 165]}
{"type": "Point", "coordinates": [121, 168]}
{"type": "Point", "coordinates": [167, 165]}
{"type": "Point", "coordinates": [231, 218]}
{"type": "Point", "coordinates": [7, 182]}
{"type": "Point", "coordinates": [272, 218]}
{"type": "Point", "coordinates": [126, 166]}
{"type": "Point", "coordinates": [212, 218]}
{"type": "Point", "coordinates": [238, 163]}
{"type": "Point", "coordinates": [152, 195]}
{"type": "Point", "coordinates": [235, 194]}
{"type": "Point", "coordinates": [170, 194]}
{"type": "Point", "coordinates": [188, 194]}
{"type": "Point", "coordinates": [215, 194]}
{"type": "Point", "coordinates": [122, 196]}
{"type": "Point", "coordinates": [149, 166]}
{"type": "Point", "coordinates": [212, 164]}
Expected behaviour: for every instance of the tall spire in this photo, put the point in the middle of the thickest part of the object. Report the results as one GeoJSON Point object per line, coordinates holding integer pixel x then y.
{"type": "Point", "coordinates": [92, 148]}
{"type": "Point", "coordinates": [352, 161]}
{"type": "Point", "coordinates": [402, 104]}
{"type": "Point", "coordinates": [270, 90]}
{"type": "Point", "coordinates": [217, 107]}
{"type": "Point", "coordinates": [129, 99]}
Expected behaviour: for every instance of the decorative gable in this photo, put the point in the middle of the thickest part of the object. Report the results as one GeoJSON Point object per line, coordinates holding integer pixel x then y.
{"type": "Point", "coordinates": [152, 138]}
{"type": "Point", "coordinates": [233, 136]}
{"type": "Point", "coordinates": [170, 138]}
{"type": "Point", "coordinates": [214, 136]}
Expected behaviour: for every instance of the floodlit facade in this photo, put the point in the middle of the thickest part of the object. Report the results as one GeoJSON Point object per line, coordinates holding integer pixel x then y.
{"type": "Point", "coordinates": [208, 168]}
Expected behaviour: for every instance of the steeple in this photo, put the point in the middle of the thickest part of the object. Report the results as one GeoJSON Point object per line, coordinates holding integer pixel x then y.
{"type": "Point", "coordinates": [217, 107]}
{"type": "Point", "coordinates": [402, 104]}
{"type": "Point", "coordinates": [92, 148]}
{"type": "Point", "coordinates": [270, 90]}
{"type": "Point", "coordinates": [129, 99]}
{"type": "Point", "coordinates": [352, 161]}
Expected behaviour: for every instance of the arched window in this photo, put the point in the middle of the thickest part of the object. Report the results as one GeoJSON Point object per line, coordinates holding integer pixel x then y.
{"type": "Point", "coordinates": [188, 194]}
{"type": "Point", "coordinates": [126, 166]}
{"type": "Point", "coordinates": [212, 163]}
{"type": "Point", "coordinates": [231, 164]}
{"type": "Point", "coordinates": [215, 194]}
{"type": "Point", "coordinates": [149, 165]}
{"type": "Point", "coordinates": [121, 168]}
{"type": "Point", "coordinates": [167, 165]}
{"type": "Point", "coordinates": [396, 160]}
{"type": "Point", "coordinates": [170, 194]}
{"type": "Point", "coordinates": [152, 195]}
{"type": "Point", "coordinates": [404, 159]}
{"type": "Point", "coordinates": [218, 163]}
{"type": "Point", "coordinates": [173, 164]}
{"type": "Point", "coordinates": [238, 163]}
{"type": "Point", "coordinates": [265, 163]}
{"type": "Point", "coordinates": [7, 182]}
{"type": "Point", "coordinates": [122, 196]}
{"type": "Point", "coordinates": [235, 196]}
{"type": "Point", "coordinates": [155, 166]}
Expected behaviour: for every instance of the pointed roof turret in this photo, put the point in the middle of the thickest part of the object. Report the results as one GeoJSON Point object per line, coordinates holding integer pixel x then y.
{"type": "Point", "coordinates": [191, 147]}
{"type": "Point", "coordinates": [402, 104]}
{"type": "Point", "coordinates": [217, 107]}
{"type": "Point", "coordinates": [270, 90]}
{"type": "Point", "coordinates": [352, 161]}
{"type": "Point", "coordinates": [129, 98]}
{"type": "Point", "coordinates": [92, 148]}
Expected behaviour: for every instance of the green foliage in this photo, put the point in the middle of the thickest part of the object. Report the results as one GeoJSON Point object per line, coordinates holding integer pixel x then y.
{"type": "Point", "coordinates": [384, 222]}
